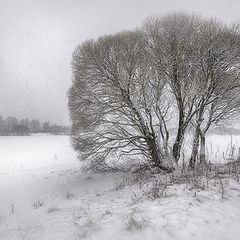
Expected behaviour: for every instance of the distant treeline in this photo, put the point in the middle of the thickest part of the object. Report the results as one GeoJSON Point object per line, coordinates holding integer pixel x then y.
{"type": "Point", "coordinates": [11, 126]}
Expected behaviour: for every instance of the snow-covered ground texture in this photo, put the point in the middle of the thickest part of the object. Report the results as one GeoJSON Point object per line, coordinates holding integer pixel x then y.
{"type": "Point", "coordinates": [44, 196]}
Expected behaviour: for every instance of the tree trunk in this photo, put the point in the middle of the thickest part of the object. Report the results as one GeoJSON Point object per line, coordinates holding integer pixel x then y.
{"type": "Point", "coordinates": [198, 132]}
{"type": "Point", "coordinates": [156, 155]}
{"type": "Point", "coordinates": [179, 139]}
{"type": "Point", "coordinates": [203, 149]}
{"type": "Point", "coordinates": [195, 148]}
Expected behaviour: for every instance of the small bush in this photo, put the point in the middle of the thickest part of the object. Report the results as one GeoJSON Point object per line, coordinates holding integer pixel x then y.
{"type": "Point", "coordinates": [134, 222]}
{"type": "Point", "coordinates": [37, 204]}
{"type": "Point", "coordinates": [69, 195]}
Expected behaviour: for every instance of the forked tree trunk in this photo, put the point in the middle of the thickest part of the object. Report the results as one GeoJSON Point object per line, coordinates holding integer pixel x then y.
{"type": "Point", "coordinates": [196, 139]}
{"type": "Point", "coordinates": [150, 139]}
{"type": "Point", "coordinates": [177, 92]}
{"type": "Point", "coordinates": [156, 155]}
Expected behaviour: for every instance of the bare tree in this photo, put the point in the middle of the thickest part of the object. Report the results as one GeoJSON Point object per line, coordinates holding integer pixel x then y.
{"type": "Point", "coordinates": [35, 126]}
{"type": "Point", "coordinates": [11, 122]}
{"type": "Point", "coordinates": [170, 41]}
{"type": "Point", "coordinates": [126, 87]}
{"type": "Point", "coordinates": [218, 53]}
{"type": "Point", "coordinates": [118, 103]}
{"type": "Point", "coordinates": [46, 127]}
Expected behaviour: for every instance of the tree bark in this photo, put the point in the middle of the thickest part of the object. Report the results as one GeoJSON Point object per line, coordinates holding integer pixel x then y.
{"type": "Point", "coordinates": [203, 149]}
{"type": "Point", "coordinates": [179, 138]}
{"type": "Point", "coordinates": [195, 148]}
{"type": "Point", "coordinates": [156, 154]}
{"type": "Point", "coordinates": [154, 150]}
{"type": "Point", "coordinates": [198, 132]}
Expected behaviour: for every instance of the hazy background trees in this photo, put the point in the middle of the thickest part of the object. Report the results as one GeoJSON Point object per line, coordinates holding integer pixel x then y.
{"type": "Point", "coordinates": [129, 89]}
{"type": "Point", "coordinates": [13, 126]}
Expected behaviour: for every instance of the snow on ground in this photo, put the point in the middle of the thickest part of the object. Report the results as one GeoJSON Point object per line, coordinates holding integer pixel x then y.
{"type": "Point", "coordinates": [46, 197]}
{"type": "Point", "coordinates": [20, 153]}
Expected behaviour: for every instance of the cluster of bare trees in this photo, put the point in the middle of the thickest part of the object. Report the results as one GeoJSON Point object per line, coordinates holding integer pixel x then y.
{"type": "Point", "coordinates": [12, 126]}
{"type": "Point", "coordinates": [129, 89]}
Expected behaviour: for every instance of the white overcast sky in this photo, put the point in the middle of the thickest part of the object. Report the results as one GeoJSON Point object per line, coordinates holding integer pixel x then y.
{"type": "Point", "coordinates": [37, 38]}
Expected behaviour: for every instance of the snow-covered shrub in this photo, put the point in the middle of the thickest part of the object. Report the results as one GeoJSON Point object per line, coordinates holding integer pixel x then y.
{"type": "Point", "coordinates": [134, 221]}
{"type": "Point", "coordinates": [69, 195]}
{"type": "Point", "coordinates": [38, 204]}
{"type": "Point", "coordinates": [85, 223]}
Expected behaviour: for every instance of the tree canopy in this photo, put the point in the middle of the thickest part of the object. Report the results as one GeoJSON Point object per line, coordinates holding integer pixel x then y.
{"type": "Point", "coordinates": [129, 89]}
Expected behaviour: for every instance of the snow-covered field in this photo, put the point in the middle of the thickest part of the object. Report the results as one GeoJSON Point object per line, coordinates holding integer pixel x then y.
{"type": "Point", "coordinates": [219, 148]}
{"type": "Point", "coordinates": [44, 196]}
{"type": "Point", "coordinates": [23, 153]}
